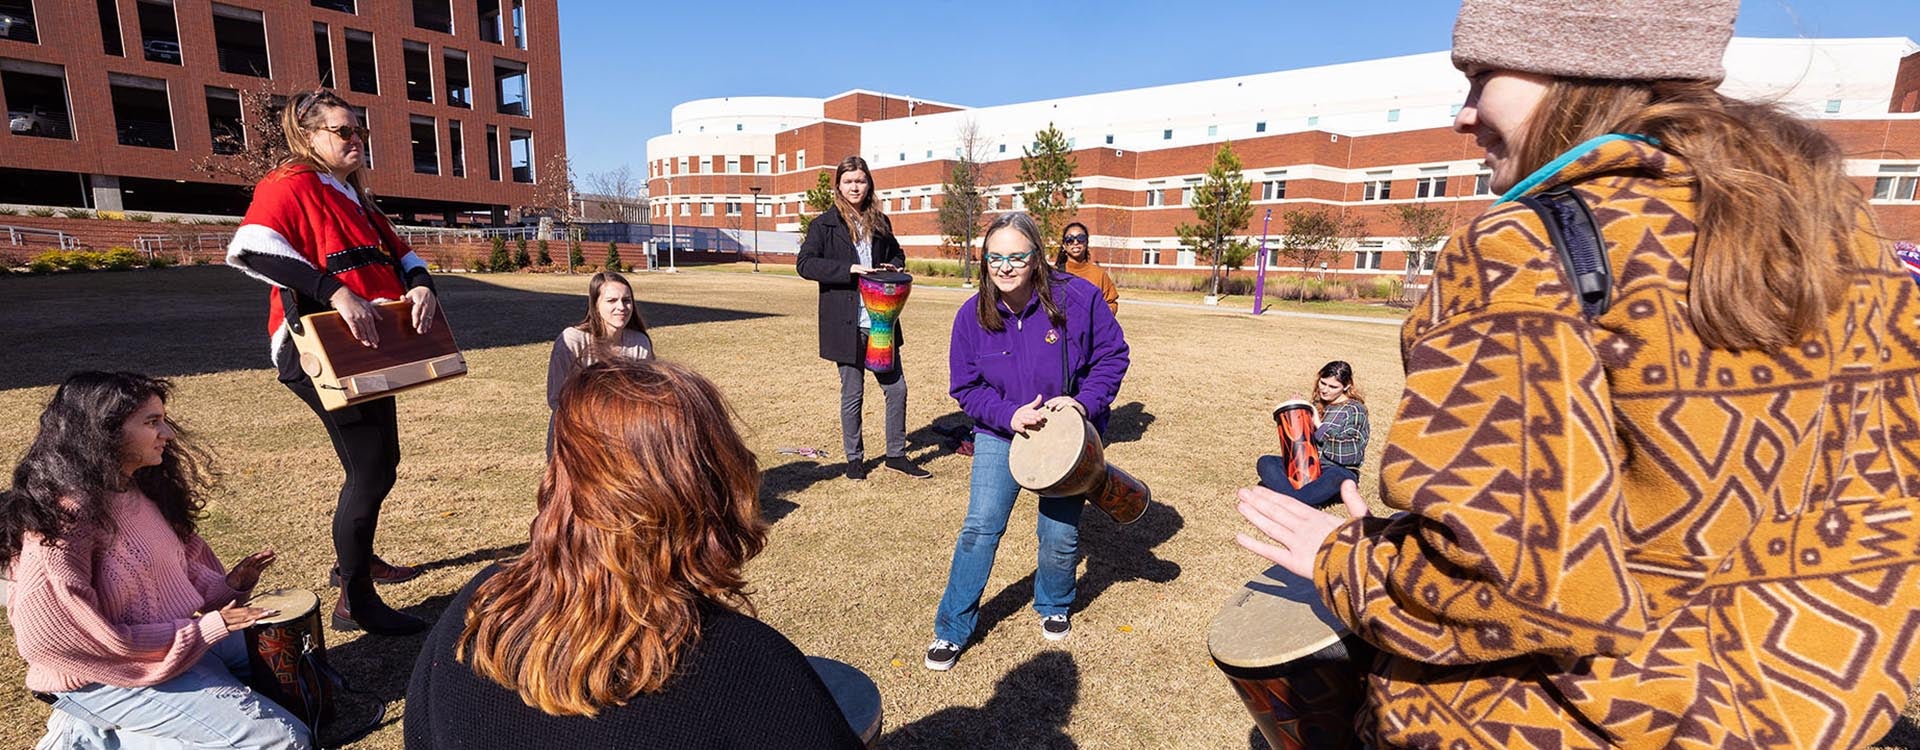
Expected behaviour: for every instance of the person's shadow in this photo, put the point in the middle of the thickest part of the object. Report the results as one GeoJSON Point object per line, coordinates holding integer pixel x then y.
{"type": "Point", "coordinates": [1029, 709]}
{"type": "Point", "coordinates": [376, 670]}
{"type": "Point", "coordinates": [1128, 422]}
{"type": "Point", "coordinates": [792, 478]}
{"type": "Point", "coordinates": [1114, 554]}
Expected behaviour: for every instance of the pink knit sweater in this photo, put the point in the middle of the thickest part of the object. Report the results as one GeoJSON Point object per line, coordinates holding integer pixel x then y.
{"type": "Point", "coordinates": [131, 609]}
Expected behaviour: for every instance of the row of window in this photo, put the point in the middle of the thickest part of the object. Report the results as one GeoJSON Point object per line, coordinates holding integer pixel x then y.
{"type": "Point", "coordinates": [724, 164]}
{"type": "Point", "coordinates": [437, 15]}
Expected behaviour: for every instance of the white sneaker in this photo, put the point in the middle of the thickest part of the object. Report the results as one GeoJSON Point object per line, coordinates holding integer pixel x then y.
{"type": "Point", "coordinates": [1055, 627]}
{"type": "Point", "coordinates": [942, 654]}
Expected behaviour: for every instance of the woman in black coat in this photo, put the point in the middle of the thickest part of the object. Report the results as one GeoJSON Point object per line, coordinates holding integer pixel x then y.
{"type": "Point", "coordinates": [852, 239]}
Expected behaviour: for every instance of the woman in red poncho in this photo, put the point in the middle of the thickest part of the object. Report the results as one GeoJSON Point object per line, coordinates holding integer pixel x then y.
{"type": "Point", "coordinates": [313, 232]}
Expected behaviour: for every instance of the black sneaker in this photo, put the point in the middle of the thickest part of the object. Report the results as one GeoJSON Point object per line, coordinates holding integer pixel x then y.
{"type": "Point", "coordinates": [942, 654]}
{"type": "Point", "coordinates": [857, 470]}
{"type": "Point", "coordinates": [1055, 627]}
{"type": "Point", "coordinates": [902, 465]}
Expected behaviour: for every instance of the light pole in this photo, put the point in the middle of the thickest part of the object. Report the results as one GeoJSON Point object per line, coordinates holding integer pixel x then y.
{"type": "Point", "coordinates": [670, 220]}
{"type": "Point", "coordinates": [755, 189]}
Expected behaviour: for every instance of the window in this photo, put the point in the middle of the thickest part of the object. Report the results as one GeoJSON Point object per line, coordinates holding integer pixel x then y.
{"type": "Point", "coordinates": [453, 67]}
{"type": "Point", "coordinates": [1455, 112]}
{"type": "Point", "coordinates": [1213, 130]}
{"type": "Point", "coordinates": [519, 24]}
{"type": "Point", "coordinates": [323, 54]}
{"type": "Point", "coordinates": [520, 142]}
{"type": "Point", "coordinates": [733, 208]}
{"type": "Point", "coordinates": [1483, 183]}
{"type": "Point", "coordinates": [1393, 115]}
{"type": "Point", "coordinates": [1432, 183]}
{"type": "Point", "coordinates": [1186, 192]}
{"type": "Point", "coordinates": [141, 115]}
{"type": "Point", "coordinates": [733, 165]}
{"type": "Point", "coordinates": [36, 98]}
{"type": "Point", "coordinates": [762, 209]}
{"type": "Point", "coordinates": [456, 150]}
{"type": "Point", "coordinates": [344, 6]}
{"type": "Point", "coordinates": [1897, 182]}
{"type": "Point", "coordinates": [110, 28]}
{"type": "Point", "coordinates": [1313, 121]}
{"type": "Point", "coordinates": [1150, 256]}
{"type": "Point", "coordinates": [903, 156]}
{"type": "Point", "coordinates": [800, 159]}
{"type": "Point", "coordinates": [706, 208]}
{"type": "Point", "coordinates": [493, 152]}
{"type": "Point", "coordinates": [1185, 258]}
{"type": "Point", "coordinates": [1367, 256]}
{"type": "Point", "coordinates": [1273, 190]}
{"type": "Point", "coordinates": [762, 165]}
{"type": "Point", "coordinates": [490, 21]}
{"type": "Point", "coordinates": [1003, 148]}
{"type": "Point", "coordinates": [1109, 139]}
{"type": "Point", "coordinates": [510, 87]}
{"type": "Point", "coordinates": [1154, 195]}
{"type": "Point", "coordinates": [360, 113]}
{"type": "Point", "coordinates": [926, 203]}
{"type": "Point", "coordinates": [993, 203]}
{"type": "Point", "coordinates": [681, 167]}
{"type": "Point", "coordinates": [686, 209]}
{"type": "Point", "coordinates": [240, 40]}
{"type": "Point", "coordinates": [1166, 135]}
{"type": "Point", "coordinates": [418, 61]}
{"type": "Point", "coordinates": [433, 15]}
{"type": "Point", "coordinates": [159, 35]}
{"type": "Point", "coordinates": [18, 24]}
{"type": "Point", "coordinates": [224, 124]}
{"type": "Point", "coordinates": [1833, 106]}
{"type": "Point", "coordinates": [1260, 127]}
{"type": "Point", "coordinates": [426, 148]}
{"type": "Point", "coordinates": [362, 75]}
{"type": "Point", "coordinates": [783, 162]}
{"type": "Point", "coordinates": [1378, 187]}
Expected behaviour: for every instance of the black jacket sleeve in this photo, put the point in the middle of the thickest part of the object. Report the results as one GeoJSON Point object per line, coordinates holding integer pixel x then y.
{"type": "Point", "coordinates": [814, 264]}
{"type": "Point", "coordinates": [295, 275]}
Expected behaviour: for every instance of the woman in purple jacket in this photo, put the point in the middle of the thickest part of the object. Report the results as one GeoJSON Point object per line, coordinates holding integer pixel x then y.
{"type": "Point", "coordinates": [1012, 344]}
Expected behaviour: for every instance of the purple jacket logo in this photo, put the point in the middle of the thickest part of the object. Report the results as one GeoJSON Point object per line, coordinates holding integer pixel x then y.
{"type": "Point", "coordinates": [1052, 336]}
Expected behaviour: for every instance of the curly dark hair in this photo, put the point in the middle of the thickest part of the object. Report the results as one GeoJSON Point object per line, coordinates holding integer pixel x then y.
{"type": "Point", "coordinates": [62, 483]}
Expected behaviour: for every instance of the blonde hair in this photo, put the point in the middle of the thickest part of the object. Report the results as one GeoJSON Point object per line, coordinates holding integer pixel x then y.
{"type": "Point", "coordinates": [303, 115]}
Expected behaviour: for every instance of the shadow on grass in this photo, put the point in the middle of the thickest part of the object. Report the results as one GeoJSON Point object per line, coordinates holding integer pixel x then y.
{"type": "Point", "coordinates": [377, 668]}
{"type": "Point", "coordinates": [1114, 554]}
{"type": "Point", "coordinates": [477, 556]}
{"type": "Point", "coordinates": [1029, 709]}
{"type": "Point", "coordinates": [785, 480]}
{"type": "Point", "coordinates": [1128, 422]}
{"type": "Point", "coordinates": [189, 321]}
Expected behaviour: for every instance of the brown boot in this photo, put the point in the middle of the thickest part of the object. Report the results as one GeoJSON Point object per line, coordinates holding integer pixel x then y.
{"type": "Point", "coordinates": [371, 614]}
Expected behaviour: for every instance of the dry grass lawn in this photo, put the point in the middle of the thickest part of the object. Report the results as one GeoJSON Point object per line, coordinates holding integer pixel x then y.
{"type": "Point", "coordinates": [852, 571]}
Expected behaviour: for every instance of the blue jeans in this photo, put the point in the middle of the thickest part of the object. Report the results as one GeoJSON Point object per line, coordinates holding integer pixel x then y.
{"type": "Point", "coordinates": [988, 506]}
{"type": "Point", "coordinates": [1320, 492]}
{"type": "Point", "coordinates": [208, 706]}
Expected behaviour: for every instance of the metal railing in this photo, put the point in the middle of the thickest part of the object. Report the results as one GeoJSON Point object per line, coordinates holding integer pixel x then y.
{"type": "Point", "coordinates": [25, 235]}
{"type": "Point", "coordinates": [186, 244]}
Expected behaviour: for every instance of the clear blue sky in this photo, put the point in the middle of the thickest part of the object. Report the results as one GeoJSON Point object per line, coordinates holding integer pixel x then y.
{"type": "Point", "coordinates": [627, 63]}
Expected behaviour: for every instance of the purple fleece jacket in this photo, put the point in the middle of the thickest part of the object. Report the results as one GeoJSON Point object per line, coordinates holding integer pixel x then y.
{"type": "Point", "coordinates": [994, 374]}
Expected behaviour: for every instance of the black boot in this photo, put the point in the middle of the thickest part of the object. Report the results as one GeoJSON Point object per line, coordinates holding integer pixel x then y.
{"type": "Point", "coordinates": [360, 608]}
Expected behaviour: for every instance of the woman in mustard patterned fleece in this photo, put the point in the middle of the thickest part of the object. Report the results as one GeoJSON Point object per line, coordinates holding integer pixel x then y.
{"type": "Point", "coordinates": [1687, 521]}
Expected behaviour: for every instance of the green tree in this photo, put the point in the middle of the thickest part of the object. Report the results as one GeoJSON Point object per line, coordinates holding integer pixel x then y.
{"type": "Point", "coordinates": [520, 257]}
{"type": "Point", "coordinates": [1222, 206]}
{"type": "Point", "coordinates": [575, 258]}
{"type": "Point", "coordinates": [1422, 227]}
{"type": "Point", "coordinates": [963, 205]}
{"type": "Point", "coordinates": [500, 260]}
{"type": "Point", "coordinates": [819, 198]}
{"type": "Point", "coordinates": [1046, 182]}
{"type": "Point", "coordinates": [1313, 235]}
{"type": "Point", "coordinates": [613, 257]}
{"type": "Point", "coordinates": [544, 258]}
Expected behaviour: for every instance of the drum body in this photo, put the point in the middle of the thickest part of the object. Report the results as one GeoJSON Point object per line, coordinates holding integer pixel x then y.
{"type": "Point", "coordinates": [1294, 420]}
{"type": "Point", "coordinates": [884, 293]}
{"type": "Point", "coordinates": [1294, 666]}
{"type": "Point", "coordinates": [287, 653]}
{"type": "Point", "coordinates": [854, 693]}
{"type": "Point", "coordinates": [1064, 458]}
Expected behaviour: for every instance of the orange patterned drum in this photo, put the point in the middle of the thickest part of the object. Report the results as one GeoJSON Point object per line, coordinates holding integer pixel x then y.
{"type": "Point", "coordinates": [1291, 661]}
{"type": "Point", "coordinates": [1064, 458]}
{"type": "Point", "coordinates": [1294, 420]}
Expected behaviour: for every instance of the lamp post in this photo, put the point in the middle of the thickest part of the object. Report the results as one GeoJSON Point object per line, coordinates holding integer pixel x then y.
{"type": "Point", "coordinates": [670, 237]}
{"type": "Point", "coordinates": [755, 189]}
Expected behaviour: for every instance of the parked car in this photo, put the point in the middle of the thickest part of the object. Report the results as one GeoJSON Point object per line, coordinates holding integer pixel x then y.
{"type": "Point", "coordinates": [162, 50]}
{"type": "Point", "coordinates": [30, 122]}
{"type": "Point", "coordinates": [15, 26]}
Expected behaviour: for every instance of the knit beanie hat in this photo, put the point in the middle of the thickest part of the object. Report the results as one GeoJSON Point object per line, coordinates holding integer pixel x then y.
{"type": "Point", "coordinates": [1642, 40]}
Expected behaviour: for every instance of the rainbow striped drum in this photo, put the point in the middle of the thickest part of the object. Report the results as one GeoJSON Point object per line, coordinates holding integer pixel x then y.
{"type": "Point", "coordinates": [884, 293]}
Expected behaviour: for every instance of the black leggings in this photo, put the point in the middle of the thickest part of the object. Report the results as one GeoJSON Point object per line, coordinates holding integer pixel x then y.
{"type": "Point", "coordinates": [366, 437]}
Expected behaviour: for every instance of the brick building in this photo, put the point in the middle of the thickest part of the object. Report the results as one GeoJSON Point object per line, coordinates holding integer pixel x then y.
{"type": "Point", "coordinates": [1358, 138]}
{"type": "Point", "coordinates": [112, 103]}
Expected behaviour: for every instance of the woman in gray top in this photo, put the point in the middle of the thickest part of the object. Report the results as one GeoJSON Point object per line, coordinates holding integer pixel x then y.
{"type": "Point", "coordinates": [613, 328]}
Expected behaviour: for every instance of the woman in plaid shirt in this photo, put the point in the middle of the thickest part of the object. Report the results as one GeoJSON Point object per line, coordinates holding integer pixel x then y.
{"type": "Point", "coordinates": [1340, 432]}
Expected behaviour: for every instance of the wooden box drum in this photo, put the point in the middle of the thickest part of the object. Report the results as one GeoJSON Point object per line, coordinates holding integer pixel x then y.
{"type": "Point", "coordinates": [855, 693]}
{"type": "Point", "coordinates": [287, 653]}
{"type": "Point", "coordinates": [884, 293]}
{"type": "Point", "coordinates": [1293, 664]}
{"type": "Point", "coordinates": [1064, 458]}
{"type": "Point", "coordinates": [346, 373]}
{"type": "Point", "coordinates": [1294, 420]}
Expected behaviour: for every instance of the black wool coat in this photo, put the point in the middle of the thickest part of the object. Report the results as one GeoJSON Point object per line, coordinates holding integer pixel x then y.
{"type": "Point", "coordinates": [827, 257]}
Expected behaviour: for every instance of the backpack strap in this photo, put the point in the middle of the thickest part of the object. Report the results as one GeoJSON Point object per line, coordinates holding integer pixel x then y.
{"type": "Point", "coordinates": [1576, 236]}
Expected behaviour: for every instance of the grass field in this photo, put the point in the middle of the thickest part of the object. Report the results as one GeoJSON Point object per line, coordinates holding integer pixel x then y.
{"type": "Point", "coordinates": [852, 570]}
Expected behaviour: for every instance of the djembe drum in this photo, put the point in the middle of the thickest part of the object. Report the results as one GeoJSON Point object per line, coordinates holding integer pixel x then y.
{"type": "Point", "coordinates": [1064, 458]}
{"type": "Point", "coordinates": [287, 653]}
{"type": "Point", "coordinates": [854, 692]}
{"type": "Point", "coordinates": [884, 293]}
{"type": "Point", "coordinates": [1295, 666]}
{"type": "Point", "coordinates": [1294, 420]}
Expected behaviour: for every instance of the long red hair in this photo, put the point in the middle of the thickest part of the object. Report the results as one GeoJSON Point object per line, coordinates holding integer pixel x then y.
{"type": "Point", "coordinates": [649, 506]}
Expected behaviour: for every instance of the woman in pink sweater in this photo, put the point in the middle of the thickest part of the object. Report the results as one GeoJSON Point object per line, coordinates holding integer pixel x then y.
{"type": "Point", "coordinates": [122, 613]}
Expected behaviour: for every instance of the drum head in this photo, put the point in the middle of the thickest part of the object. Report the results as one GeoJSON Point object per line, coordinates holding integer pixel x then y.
{"type": "Point", "coordinates": [854, 692]}
{"type": "Point", "coordinates": [1044, 456]}
{"type": "Point", "coordinates": [293, 604]}
{"type": "Point", "coordinates": [888, 277]}
{"type": "Point", "coordinates": [1275, 618]}
{"type": "Point", "coordinates": [1290, 405]}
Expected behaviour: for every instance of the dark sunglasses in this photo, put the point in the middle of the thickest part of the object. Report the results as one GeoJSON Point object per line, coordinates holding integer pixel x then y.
{"type": "Point", "coordinates": [347, 132]}
{"type": "Point", "coordinates": [1074, 239]}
